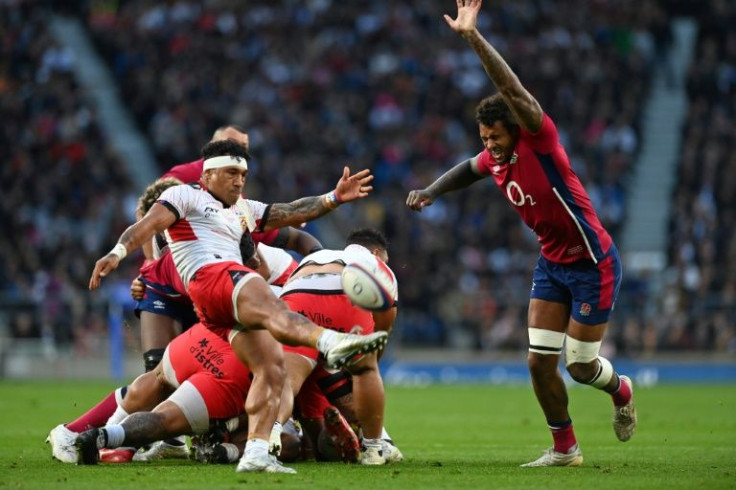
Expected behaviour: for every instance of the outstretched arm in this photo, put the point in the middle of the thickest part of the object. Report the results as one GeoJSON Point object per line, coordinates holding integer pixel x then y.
{"type": "Point", "coordinates": [349, 188]}
{"type": "Point", "coordinates": [526, 109]}
{"type": "Point", "coordinates": [156, 220]}
{"type": "Point", "coordinates": [458, 177]}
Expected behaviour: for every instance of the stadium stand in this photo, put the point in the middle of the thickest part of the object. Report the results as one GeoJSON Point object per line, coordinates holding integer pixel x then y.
{"type": "Point", "coordinates": [388, 86]}
{"type": "Point", "coordinates": [66, 195]}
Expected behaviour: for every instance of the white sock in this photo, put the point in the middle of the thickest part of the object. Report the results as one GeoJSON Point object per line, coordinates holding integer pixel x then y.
{"type": "Point", "coordinates": [256, 448]}
{"type": "Point", "coordinates": [327, 340]}
{"type": "Point", "coordinates": [115, 435]}
{"type": "Point", "coordinates": [384, 434]}
{"type": "Point", "coordinates": [118, 416]}
{"type": "Point", "coordinates": [232, 451]}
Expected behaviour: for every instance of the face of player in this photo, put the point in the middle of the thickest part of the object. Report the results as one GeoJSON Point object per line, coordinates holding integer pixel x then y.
{"type": "Point", "coordinates": [232, 134]}
{"type": "Point", "coordinates": [227, 183]}
{"type": "Point", "coordinates": [498, 140]}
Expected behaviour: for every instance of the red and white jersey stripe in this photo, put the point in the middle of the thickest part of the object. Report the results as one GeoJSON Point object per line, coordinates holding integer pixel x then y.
{"type": "Point", "coordinates": [206, 231]}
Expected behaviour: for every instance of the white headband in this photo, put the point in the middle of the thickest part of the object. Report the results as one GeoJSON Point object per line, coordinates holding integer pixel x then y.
{"type": "Point", "coordinates": [225, 161]}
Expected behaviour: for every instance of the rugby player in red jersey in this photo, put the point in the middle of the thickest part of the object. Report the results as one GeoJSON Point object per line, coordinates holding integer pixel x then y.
{"type": "Point", "coordinates": [578, 275]}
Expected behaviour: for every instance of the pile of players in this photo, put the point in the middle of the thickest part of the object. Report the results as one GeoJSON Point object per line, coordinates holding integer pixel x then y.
{"type": "Point", "coordinates": [249, 359]}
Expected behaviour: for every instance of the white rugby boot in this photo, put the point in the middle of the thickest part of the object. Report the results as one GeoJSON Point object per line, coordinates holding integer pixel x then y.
{"type": "Point", "coordinates": [373, 453]}
{"type": "Point", "coordinates": [265, 463]}
{"type": "Point", "coordinates": [348, 346]}
{"type": "Point", "coordinates": [163, 450]}
{"type": "Point", "coordinates": [62, 444]}
{"type": "Point", "coordinates": [574, 457]}
{"type": "Point", "coordinates": [624, 417]}
{"type": "Point", "coordinates": [391, 452]}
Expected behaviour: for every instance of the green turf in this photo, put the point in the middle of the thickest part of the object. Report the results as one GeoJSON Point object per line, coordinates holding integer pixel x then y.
{"type": "Point", "coordinates": [452, 437]}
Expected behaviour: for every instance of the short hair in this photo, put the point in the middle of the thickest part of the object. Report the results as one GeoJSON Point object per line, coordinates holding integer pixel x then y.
{"type": "Point", "coordinates": [224, 147]}
{"type": "Point", "coordinates": [368, 237]}
{"type": "Point", "coordinates": [492, 109]}
{"type": "Point", "coordinates": [153, 192]}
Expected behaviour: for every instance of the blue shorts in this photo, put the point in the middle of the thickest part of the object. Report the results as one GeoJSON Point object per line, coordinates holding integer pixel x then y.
{"type": "Point", "coordinates": [590, 289]}
{"type": "Point", "coordinates": [160, 304]}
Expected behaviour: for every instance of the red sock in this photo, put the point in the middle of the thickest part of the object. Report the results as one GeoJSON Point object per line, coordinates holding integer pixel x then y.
{"type": "Point", "coordinates": [564, 436]}
{"type": "Point", "coordinates": [622, 395]}
{"type": "Point", "coordinates": [97, 416]}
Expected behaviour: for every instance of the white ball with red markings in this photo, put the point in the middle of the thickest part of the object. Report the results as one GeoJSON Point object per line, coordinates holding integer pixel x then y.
{"type": "Point", "coordinates": [370, 284]}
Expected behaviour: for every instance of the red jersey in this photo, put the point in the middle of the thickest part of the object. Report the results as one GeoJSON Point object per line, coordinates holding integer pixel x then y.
{"type": "Point", "coordinates": [540, 184]}
{"type": "Point", "coordinates": [186, 172]}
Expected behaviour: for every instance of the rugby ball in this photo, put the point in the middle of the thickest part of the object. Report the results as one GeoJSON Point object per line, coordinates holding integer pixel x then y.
{"type": "Point", "coordinates": [370, 284]}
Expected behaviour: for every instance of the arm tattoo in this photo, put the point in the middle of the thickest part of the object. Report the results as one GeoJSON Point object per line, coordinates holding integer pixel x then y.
{"type": "Point", "coordinates": [296, 212]}
{"type": "Point", "coordinates": [525, 108]}
{"type": "Point", "coordinates": [458, 177]}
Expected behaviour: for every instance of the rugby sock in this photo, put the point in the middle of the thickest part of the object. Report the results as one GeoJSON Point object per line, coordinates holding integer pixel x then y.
{"type": "Point", "coordinates": [327, 340]}
{"type": "Point", "coordinates": [118, 416]}
{"type": "Point", "coordinates": [622, 394]}
{"type": "Point", "coordinates": [231, 453]}
{"type": "Point", "coordinates": [97, 416]}
{"type": "Point", "coordinates": [111, 436]}
{"type": "Point", "coordinates": [563, 435]}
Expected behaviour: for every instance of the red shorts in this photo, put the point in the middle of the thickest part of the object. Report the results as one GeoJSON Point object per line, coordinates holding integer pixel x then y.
{"type": "Point", "coordinates": [214, 289]}
{"type": "Point", "coordinates": [203, 358]}
{"type": "Point", "coordinates": [333, 311]}
{"type": "Point", "coordinates": [161, 276]}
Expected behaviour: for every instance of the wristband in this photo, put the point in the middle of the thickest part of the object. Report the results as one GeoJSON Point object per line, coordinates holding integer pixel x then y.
{"type": "Point", "coordinates": [119, 250]}
{"type": "Point", "coordinates": [331, 200]}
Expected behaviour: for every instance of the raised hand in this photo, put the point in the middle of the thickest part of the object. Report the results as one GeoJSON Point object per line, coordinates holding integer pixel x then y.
{"type": "Point", "coordinates": [352, 187]}
{"type": "Point", "coordinates": [467, 15]}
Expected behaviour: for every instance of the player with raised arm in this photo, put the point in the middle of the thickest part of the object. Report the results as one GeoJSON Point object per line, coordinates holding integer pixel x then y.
{"type": "Point", "coordinates": [578, 275]}
{"type": "Point", "coordinates": [203, 227]}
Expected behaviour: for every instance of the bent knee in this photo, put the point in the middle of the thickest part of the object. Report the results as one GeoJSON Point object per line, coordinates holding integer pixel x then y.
{"type": "Point", "coordinates": [583, 372]}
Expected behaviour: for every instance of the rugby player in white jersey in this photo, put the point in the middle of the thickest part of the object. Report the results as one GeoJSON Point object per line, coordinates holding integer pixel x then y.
{"type": "Point", "coordinates": [203, 227]}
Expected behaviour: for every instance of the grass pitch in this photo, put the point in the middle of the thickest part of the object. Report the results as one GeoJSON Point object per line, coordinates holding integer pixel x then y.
{"type": "Point", "coordinates": [451, 436]}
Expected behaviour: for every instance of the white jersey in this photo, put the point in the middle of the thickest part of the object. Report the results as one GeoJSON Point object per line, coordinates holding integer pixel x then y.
{"type": "Point", "coordinates": [348, 255]}
{"type": "Point", "coordinates": [206, 231]}
{"type": "Point", "coordinates": [278, 261]}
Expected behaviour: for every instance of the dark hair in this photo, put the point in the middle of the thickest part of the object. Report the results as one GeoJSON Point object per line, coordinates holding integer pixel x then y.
{"type": "Point", "coordinates": [492, 109]}
{"type": "Point", "coordinates": [368, 237]}
{"type": "Point", "coordinates": [247, 247]}
{"type": "Point", "coordinates": [224, 147]}
{"type": "Point", "coordinates": [153, 192]}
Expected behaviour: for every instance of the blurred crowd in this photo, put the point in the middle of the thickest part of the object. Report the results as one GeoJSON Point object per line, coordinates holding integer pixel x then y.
{"type": "Point", "coordinates": [319, 84]}
{"type": "Point", "coordinates": [699, 305]}
{"type": "Point", "coordinates": [66, 196]}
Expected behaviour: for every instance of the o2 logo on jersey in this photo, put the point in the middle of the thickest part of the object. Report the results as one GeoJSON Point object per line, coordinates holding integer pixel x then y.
{"type": "Point", "coordinates": [516, 195]}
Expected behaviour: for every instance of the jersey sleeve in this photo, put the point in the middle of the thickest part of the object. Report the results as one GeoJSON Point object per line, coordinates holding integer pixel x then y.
{"type": "Point", "coordinates": [186, 172]}
{"type": "Point", "coordinates": [178, 199]}
{"type": "Point", "coordinates": [546, 139]}
{"type": "Point", "coordinates": [485, 162]}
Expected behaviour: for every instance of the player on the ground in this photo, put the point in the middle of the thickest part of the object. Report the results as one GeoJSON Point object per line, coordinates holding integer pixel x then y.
{"type": "Point", "coordinates": [315, 291]}
{"type": "Point", "coordinates": [203, 228]}
{"type": "Point", "coordinates": [578, 275]}
{"type": "Point", "coordinates": [199, 383]}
